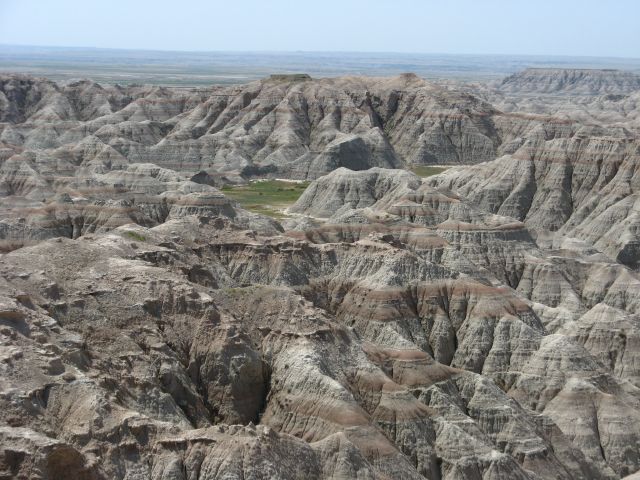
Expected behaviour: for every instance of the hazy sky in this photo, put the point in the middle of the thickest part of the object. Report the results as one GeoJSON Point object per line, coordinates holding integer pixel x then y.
{"type": "Point", "coordinates": [546, 27]}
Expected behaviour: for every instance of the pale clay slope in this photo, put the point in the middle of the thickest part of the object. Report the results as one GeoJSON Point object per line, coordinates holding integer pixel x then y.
{"type": "Point", "coordinates": [474, 325]}
{"type": "Point", "coordinates": [297, 129]}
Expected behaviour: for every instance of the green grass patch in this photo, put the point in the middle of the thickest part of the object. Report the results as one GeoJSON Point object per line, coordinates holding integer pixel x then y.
{"type": "Point", "coordinates": [426, 170]}
{"type": "Point", "coordinates": [135, 236]}
{"type": "Point", "coordinates": [266, 197]}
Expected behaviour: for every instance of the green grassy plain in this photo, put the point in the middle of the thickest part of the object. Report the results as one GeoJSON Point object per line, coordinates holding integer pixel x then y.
{"type": "Point", "coordinates": [266, 197]}
{"type": "Point", "coordinates": [135, 236]}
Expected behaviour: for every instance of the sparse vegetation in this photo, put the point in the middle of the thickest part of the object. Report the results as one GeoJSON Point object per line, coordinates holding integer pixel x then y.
{"type": "Point", "coordinates": [135, 236]}
{"type": "Point", "coordinates": [266, 197]}
{"type": "Point", "coordinates": [427, 170]}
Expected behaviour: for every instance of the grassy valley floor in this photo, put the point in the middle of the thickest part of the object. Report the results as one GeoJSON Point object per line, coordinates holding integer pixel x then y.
{"type": "Point", "coordinates": [271, 197]}
{"type": "Point", "coordinates": [268, 197]}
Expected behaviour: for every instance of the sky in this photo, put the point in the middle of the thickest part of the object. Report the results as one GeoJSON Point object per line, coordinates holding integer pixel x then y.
{"type": "Point", "coordinates": [512, 27]}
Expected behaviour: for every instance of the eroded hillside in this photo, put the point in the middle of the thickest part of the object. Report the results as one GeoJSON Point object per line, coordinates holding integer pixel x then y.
{"type": "Point", "coordinates": [483, 323]}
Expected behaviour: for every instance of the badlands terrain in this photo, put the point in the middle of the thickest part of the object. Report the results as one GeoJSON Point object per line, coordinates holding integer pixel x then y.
{"type": "Point", "coordinates": [481, 323]}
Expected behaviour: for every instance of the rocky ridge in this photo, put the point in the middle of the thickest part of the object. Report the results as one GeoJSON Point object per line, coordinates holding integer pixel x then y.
{"type": "Point", "coordinates": [564, 184]}
{"type": "Point", "coordinates": [588, 96]}
{"type": "Point", "coordinates": [565, 81]}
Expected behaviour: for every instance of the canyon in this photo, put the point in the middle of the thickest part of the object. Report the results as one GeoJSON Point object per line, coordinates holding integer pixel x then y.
{"type": "Point", "coordinates": [481, 323]}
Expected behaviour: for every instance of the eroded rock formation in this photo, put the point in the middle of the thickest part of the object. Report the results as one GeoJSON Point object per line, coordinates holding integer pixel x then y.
{"type": "Point", "coordinates": [480, 324]}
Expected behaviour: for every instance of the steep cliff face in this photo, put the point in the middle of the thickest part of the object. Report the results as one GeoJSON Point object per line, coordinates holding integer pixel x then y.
{"type": "Point", "coordinates": [573, 170]}
{"type": "Point", "coordinates": [581, 185]}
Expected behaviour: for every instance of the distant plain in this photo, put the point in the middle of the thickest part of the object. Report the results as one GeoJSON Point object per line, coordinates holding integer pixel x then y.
{"type": "Point", "coordinates": [193, 69]}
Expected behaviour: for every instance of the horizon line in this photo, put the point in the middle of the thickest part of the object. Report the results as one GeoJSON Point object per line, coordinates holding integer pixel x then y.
{"type": "Point", "coordinates": [317, 52]}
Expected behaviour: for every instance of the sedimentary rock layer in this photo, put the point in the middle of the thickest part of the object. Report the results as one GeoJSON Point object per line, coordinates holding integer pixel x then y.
{"type": "Point", "coordinates": [477, 325]}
